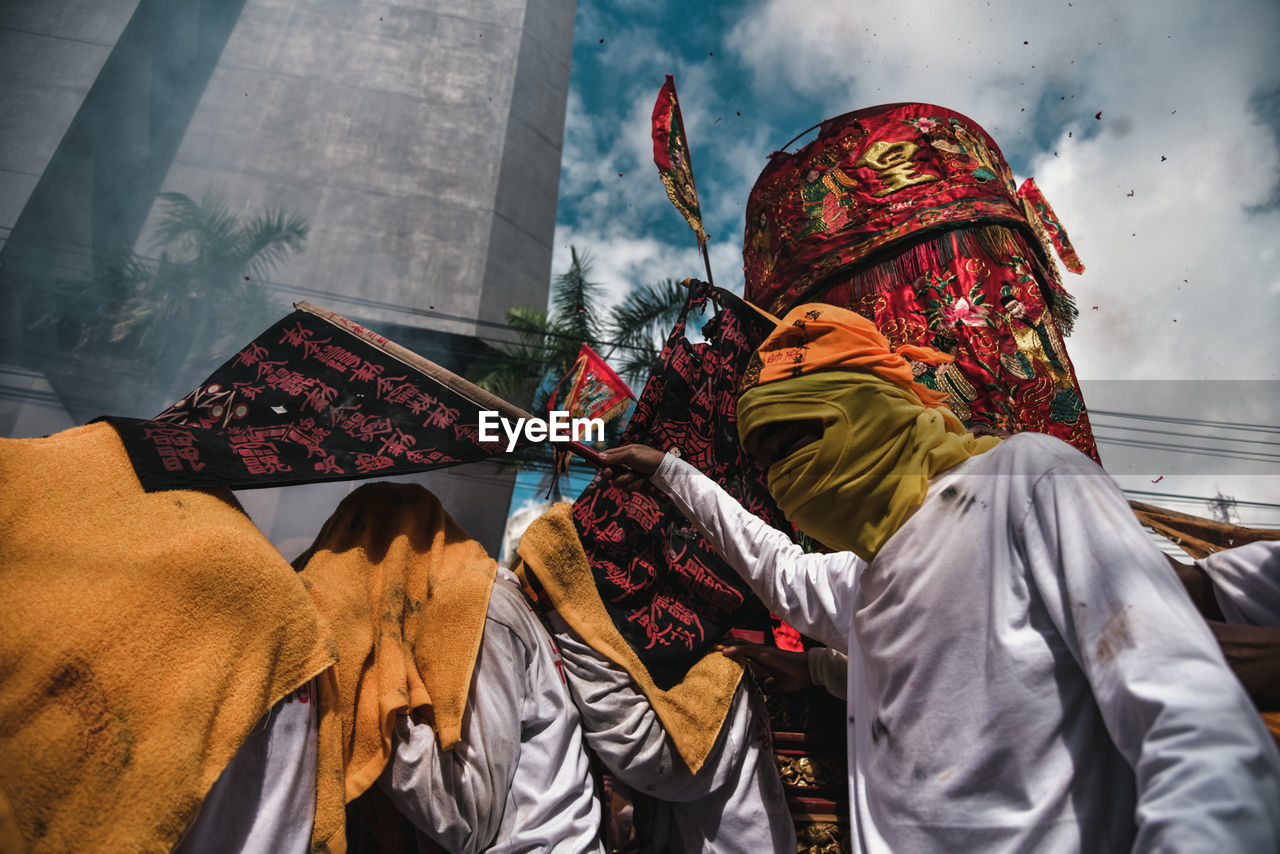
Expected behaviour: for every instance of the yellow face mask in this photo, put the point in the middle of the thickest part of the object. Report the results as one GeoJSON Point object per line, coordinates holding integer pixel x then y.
{"type": "Point", "coordinates": [853, 488]}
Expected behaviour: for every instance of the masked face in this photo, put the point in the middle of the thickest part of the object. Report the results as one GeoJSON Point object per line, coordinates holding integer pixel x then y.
{"type": "Point", "coordinates": [848, 454]}
{"type": "Point", "coordinates": [776, 441]}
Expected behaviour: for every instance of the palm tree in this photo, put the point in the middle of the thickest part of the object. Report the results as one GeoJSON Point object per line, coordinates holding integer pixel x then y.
{"type": "Point", "coordinates": [576, 300]}
{"type": "Point", "coordinates": [173, 315]}
{"type": "Point", "coordinates": [545, 345]}
{"type": "Point", "coordinates": [207, 280]}
{"type": "Point", "coordinates": [640, 325]}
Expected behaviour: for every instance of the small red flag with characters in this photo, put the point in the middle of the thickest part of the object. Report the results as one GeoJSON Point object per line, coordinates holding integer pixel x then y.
{"type": "Point", "coordinates": [1047, 225]}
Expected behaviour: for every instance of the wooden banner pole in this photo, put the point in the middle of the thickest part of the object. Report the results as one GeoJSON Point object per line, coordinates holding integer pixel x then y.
{"type": "Point", "coordinates": [460, 385]}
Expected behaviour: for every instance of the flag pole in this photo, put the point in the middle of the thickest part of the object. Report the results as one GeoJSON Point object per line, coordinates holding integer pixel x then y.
{"type": "Point", "coordinates": [468, 390]}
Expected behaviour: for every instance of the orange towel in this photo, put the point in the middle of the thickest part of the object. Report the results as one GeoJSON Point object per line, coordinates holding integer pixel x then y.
{"type": "Point", "coordinates": [142, 637]}
{"type": "Point", "coordinates": [404, 592]}
{"type": "Point", "coordinates": [693, 711]}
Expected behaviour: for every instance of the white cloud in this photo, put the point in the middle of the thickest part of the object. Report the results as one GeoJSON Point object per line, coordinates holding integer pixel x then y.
{"type": "Point", "coordinates": [1170, 80]}
{"type": "Point", "coordinates": [620, 262]}
{"type": "Point", "coordinates": [1177, 81]}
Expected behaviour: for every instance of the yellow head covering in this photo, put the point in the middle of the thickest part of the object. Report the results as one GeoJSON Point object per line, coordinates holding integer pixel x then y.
{"type": "Point", "coordinates": [884, 435]}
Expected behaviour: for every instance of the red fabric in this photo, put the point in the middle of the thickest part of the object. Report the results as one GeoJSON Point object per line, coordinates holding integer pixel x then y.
{"type": "Point", "coordinates": [665, 588]}
{"type": "Point", "coordinates": [595, 390]}
{"type": "Point", "coordinates": [978, 296]}
{"type": "Point", "coordinates": [785, 637]}
{"type": "Point", "coordinates": [872, 178]}
{"type": "Point", "coordinates": [671, 156]}
{"type": "Point", "coordinates": [1041, 214]}
{"type": "Point", "coordinates": [908, 215]}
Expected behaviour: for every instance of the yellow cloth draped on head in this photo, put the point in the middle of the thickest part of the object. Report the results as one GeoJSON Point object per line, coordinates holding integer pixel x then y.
{"type": "Point", "coordinates": [883, 435]}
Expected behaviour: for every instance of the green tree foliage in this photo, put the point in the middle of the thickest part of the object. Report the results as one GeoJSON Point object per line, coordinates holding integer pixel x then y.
{"type": "Point", "coordinates": [640, 325]}
{"type": "Point", "coordinates": [577, 302]}
{"type": "Point", "coordinates": [545, 345]}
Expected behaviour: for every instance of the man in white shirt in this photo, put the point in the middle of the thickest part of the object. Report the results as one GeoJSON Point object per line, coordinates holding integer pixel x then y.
{"type": "Point", "coordinates": [1246, 582]}
{"type": "Point", "coordinates": [734, 803]}
{"type": "Point", "coordinates": [1024, 671]}
{"type": "Point", "coordinates": [518, 780]}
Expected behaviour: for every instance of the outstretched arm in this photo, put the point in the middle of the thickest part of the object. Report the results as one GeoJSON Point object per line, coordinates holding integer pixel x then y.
{"type": "Point", "coordinates": [794, 671]}
{"type": "Point", "coordinates": [813, 592]}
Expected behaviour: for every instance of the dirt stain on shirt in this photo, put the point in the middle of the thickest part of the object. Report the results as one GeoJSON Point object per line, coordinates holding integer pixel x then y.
{"type": "Point", "coordinates": [1115, 638]}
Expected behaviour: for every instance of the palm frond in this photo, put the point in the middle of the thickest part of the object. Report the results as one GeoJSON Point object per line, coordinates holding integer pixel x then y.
{"type": "Point", "coordinates": [268, 240]}
{"type": "Point", "coordinates": [640, 325]}
{"type": "Point", "coordinates": [646, 312]}
{"type": "Point", "coordinates": [576, 299]}
{"type": "Point", "coordinates": [529, 322]}
{"type": "Point", "coordinates": [637, 365]}
{"type": "Point", "coordinates": [124, 274]}
{"type": "Point", "coordinates": [516, 369]}
{"type": "Point", "coordinates": [192, 229]}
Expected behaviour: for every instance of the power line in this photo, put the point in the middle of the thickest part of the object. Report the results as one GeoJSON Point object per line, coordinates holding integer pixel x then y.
{"type": "Point", "coordinates": [365, 302]}
{"type": "Point", "coordinates": [1189, 449]}
{"type": "Point", "coordinates": [1201, 422]}
{"type": "Point", "coordinates": [1187, 435]}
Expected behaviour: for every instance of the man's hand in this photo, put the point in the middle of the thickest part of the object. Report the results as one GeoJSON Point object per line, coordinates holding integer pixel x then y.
{"type": "Point", "coordinates": [781, 669]}
{"type": "Point", "coordinates": [629, 465]}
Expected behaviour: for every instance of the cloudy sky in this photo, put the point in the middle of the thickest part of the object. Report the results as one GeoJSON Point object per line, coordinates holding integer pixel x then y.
{"type": "Point", "coordinates": [1153, 128]}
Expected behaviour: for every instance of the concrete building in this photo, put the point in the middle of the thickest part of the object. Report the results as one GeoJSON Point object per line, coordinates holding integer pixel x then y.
{"type": "Point", "coordinates": [419, 140]}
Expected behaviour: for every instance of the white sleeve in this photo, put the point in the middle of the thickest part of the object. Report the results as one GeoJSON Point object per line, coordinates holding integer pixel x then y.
{"type": "Point", "coordinates": [829, 669]}
{"type": "Point", "coordinates": [812, 592]}
{"type": "Point", "coordinates": [265, 799]}
{"type": "Point", "coordinates": [623, 729]}
{"type": "Point", "coordinates": [734, 803]}
{"type": "Point", "coordinates": [457, 797]}
{"type": "Point", "coordinates": [1246, 582]}
{"type": "Point", "coordinates": [1207, 772]}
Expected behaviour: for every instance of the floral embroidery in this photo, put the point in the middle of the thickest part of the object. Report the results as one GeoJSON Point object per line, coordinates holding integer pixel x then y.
{"type": "Point", "coordinates": [909, 215]}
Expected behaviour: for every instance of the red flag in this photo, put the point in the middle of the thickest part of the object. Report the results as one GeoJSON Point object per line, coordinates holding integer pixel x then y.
{"type": "Point", "coordinates": [1046, 224]}
{"type": "Point", "coordinates": [595, 391]}
{"type": "Point", "coordinates": [671, 154]}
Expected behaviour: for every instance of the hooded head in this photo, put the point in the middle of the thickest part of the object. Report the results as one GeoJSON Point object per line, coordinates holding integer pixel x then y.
{"type": "Point", "coordinates": [848, 438]}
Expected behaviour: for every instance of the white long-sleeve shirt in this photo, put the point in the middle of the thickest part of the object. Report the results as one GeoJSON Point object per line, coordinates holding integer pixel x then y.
{"type": "Point", "coordinates": [518, 781]}
{"type": "Point", "coordinates": [1024, 671]}
{"type": "Point", "coordinates": [1246, 582]}
{"type": "Point", "coordinates": [265, 799]}
{"type": "Point", "coordinates": [735, 804]}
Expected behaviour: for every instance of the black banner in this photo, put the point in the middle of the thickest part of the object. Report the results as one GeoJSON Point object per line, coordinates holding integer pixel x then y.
{"type": "Point", "coordinates": [668, 592]}
{"type": "Point", "coordinates": [314, 398]}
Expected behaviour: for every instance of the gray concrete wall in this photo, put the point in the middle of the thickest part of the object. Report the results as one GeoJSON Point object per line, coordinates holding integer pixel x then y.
{"type": "Point", "coordinates": [518, 264]}
{"type": "Point", "coordinates": [50, 53]}
{"type": "Point", "coordinates": [420, 139]}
